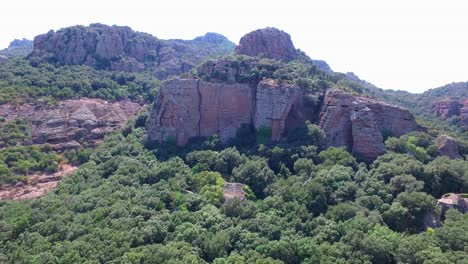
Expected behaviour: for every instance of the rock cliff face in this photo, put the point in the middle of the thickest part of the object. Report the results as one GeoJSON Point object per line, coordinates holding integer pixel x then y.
{"type": "Point", "coordinates": [188, 108]}
{"type": "Point", "coordinates": [122, 49]}
{"type": "Point", "coordinates": [269, 43]}
{"type": "Point", "coordinates": [447, 108]}
{"type": "Point", "coordinates": [72, 121]}
{"type": "Point", "coordinates": [361, 123]}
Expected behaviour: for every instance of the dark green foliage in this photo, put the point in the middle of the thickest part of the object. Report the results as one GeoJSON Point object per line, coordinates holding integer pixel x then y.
{"type": "Point", "coordinates": [16, 163]}
{"type": "Point", "coordinates": [131, 204]}
{"type": "Point", "coordinates": [20, 82]}
{"type": "Point", "coordinates": [13, 132]}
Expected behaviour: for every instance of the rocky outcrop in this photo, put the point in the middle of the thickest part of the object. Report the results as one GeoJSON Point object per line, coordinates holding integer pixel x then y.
{"type": "Point", "coordinates": [446, 108]}
{"type": "Point", "coordinates": [189, 108]}
{"type": "Point", "coordinates": [360, 123]}
{"type": "Point", "coordinates": [122, 49]}
{"type": "Point", "coordinates": [72, 121]}
{"type": "Point", "coordinates": [448, 147]}
{"type": "Point", "coordinates": [269, 43]}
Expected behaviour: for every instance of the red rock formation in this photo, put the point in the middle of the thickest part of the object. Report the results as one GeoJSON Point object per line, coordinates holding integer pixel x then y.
{"type": "Point", "coordinates": [122, 49]}
{"type": "Point", "coordinates": [448, 147]}
{"type": "Point", "coordinates": [445, 108]}
{"type": "Point", "coordinates": [72, 120]}
{"type": "Point", "coordinates": [193, 108]}
{"type": "Point", "coordinates": [269, 43]}
{"type": "Point", "coordinates": [273, 105]}
{"type": "Point", "coordinates": [359, 123]}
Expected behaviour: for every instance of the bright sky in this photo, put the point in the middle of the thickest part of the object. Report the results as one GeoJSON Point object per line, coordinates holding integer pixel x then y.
{"type": "Point", "coordinates": [395, 44]}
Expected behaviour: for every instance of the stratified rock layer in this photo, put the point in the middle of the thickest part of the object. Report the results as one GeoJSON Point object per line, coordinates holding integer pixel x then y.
{"type": "Point", "coordinates": [188, 108]}
{"type": "Point", "coordinates": [72, 121]}
{"type": "Point", "coordinates": [269, 43]}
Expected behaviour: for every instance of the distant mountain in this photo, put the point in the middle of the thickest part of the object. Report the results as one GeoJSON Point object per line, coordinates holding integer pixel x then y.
{"type": "Point", "coordinates": [449, 102]}
{"type": "Point", "coordinates": [18, 47]}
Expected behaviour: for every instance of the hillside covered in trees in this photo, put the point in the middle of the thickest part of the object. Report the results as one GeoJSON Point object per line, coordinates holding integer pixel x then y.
{"type": "Point", "coordinates": [256, 197]}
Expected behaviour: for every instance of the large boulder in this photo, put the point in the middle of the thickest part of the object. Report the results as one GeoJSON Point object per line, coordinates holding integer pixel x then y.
{"type": "Point", "coordinates": [269, 43]}
{"type": "Point", "coordinates": [447, 146]}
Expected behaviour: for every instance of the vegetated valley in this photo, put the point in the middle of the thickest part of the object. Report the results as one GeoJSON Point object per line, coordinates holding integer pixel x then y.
{"type": "Point", "coordinates": [119, 147]}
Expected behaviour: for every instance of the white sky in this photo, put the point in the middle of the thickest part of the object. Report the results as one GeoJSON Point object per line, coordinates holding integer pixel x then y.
{"type": "Point", "coordinates": [412, 45]}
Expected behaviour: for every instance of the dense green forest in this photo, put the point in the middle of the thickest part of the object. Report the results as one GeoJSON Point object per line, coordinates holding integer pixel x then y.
{"type": "Point", "coordinates": [141, 202]}
{"type": "Point", "coordinates": [16, 161]}
{"type": "Point", "coordinates": [134, 201]}
{"type": "Point", "coordinates": [20, 82]}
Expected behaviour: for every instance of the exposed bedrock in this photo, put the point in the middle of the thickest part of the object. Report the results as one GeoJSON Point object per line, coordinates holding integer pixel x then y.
{"type": "Point", "coordinates": [188, 108]}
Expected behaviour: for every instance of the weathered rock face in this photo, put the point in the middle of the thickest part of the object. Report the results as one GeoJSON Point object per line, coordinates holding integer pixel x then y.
{"type": "Point", "coordinates": [360, 123]}
{"type": "Point", "coordinates": [273, 105]}
{"type": "Point", "coordinates": [122, 49]}
{"type": "Point", "coordinates": [464, 114]}
{"type": "Point", "coordinates": [192, 108]}
{"type": "Point", "coordinates": [188, 108]}
{"type": "Point", "coordinates": [72, 121]}
{"type": "Point", "coordinates": [269, 43]}
{"type": "Point", "coordinates": [446, 108]}
{"type": "Point", "coordinates": [448, 147]}
{"type": "Point", "coordinates": [97, 45]}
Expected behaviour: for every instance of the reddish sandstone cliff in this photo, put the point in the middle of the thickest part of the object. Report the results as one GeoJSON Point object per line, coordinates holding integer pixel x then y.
{"type": "Point", "coordinates": [188, 108]}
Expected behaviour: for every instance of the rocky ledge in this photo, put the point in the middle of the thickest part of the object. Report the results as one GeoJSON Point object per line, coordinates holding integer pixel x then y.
{"type": "Point", "coordinates": [188, 108]}
{"type": "Point", "coordinates": [71, 121]}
